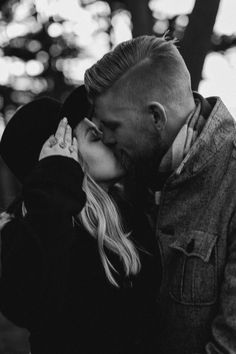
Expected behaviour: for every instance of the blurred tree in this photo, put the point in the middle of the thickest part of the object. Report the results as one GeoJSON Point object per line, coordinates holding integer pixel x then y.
{"type": "Point", "coordinates": [37, 50]}
{"type": "Point", "coordinates": [196, 41]}
{"type": "Point", "coordinates": [141, 17]}
{"type": "Point", "coordinates": [36, 58]}
{"type": "Point", "coordinates": [141, 14]}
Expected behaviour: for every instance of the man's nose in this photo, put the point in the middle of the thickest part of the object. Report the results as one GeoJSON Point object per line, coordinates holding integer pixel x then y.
{"type": "Point", "coordinates": [108, 138]}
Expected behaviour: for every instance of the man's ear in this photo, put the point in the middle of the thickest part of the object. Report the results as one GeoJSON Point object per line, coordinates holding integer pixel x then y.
{"type": "Point", "coordinates": [158, 114]}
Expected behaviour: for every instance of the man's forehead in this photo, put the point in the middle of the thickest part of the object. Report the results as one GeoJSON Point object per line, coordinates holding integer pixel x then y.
{"type": "Point", "coordinates": [110, 100]}
{"type": "Point", "coordinates": [112, 107]}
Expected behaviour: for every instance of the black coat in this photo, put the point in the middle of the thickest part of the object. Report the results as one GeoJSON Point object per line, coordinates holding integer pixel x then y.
{"type": "Point", "coordinates": [53, 282]}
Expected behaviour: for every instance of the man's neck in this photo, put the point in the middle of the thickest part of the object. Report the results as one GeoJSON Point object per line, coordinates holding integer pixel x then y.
{"type": "Point", "coordinates": [176, 120]}
{"type": "Point", "coordinates": [161, 175]}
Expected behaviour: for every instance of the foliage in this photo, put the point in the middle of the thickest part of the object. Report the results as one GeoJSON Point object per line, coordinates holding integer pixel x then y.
{"type": "Point", "coordinates": [41, 49]}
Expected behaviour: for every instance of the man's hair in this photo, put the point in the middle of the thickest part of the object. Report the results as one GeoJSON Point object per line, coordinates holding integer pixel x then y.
{"type": "Point", "coordinates": [157, 58]}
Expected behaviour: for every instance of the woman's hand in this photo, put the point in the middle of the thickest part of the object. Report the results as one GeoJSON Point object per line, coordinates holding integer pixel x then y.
{"type": "Point", "coordinates": [61, 143]}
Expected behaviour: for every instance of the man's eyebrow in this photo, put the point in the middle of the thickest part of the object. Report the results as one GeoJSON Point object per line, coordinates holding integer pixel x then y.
{"type": "Point", "coordinates": [110, 123]}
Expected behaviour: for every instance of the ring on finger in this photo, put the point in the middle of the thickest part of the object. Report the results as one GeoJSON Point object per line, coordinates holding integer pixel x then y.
{"type": "Point", "coordinates": [71, 148]}
{"type": "Point", "coordinates": [62, 144]}
{"type": "Point", "coordinates": [53, 141]}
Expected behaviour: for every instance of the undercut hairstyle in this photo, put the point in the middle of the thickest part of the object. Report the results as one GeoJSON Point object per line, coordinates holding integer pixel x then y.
{"type": "Point", "coordinates": [146, 62]}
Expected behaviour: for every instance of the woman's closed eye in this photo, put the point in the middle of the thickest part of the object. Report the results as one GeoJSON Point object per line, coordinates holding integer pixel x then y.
{"type": "Point", "coordinates": [93, 135]}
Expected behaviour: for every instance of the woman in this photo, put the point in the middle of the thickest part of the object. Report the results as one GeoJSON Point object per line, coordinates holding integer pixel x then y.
{"type": "Point", "coordinates": [71, 274]}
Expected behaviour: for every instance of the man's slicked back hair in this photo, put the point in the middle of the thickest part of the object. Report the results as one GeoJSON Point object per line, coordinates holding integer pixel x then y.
{"type": "Point", "coordinates": [112, 66]}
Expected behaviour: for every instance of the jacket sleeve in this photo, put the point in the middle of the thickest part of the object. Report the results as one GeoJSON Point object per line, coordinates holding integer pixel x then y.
{"type": "Point", "coordinates": [224, 324]}
{"type": "Point", "coordinates": [52, 196]}
{"type": "Point", "coordinates": [33, 246]}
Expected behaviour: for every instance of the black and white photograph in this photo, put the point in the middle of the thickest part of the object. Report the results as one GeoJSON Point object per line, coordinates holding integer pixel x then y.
{"type": "Point", "coordinates": [117, 177]}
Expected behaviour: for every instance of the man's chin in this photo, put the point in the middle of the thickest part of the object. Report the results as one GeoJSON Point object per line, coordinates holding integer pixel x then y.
{"type": "Point", "coordinates": [141, 174]}
{"type": "Point", "coordinates": [141, 169]}
{"type": "Point", "coordinates": [125, 162]}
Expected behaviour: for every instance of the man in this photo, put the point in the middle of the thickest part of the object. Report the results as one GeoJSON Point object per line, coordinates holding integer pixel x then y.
{"type": "Point", "coordinates": [183, 147]}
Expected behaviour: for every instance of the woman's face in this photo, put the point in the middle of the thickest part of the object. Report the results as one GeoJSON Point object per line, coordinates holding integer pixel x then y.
{"type": "Point", "coordinates": [98, 159]}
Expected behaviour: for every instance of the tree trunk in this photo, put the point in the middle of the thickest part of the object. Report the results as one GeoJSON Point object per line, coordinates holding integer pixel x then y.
{"type": "Point", "coordinates": [141, 14]}
{"type": "Point", "coordinates": [197, 38]}
{"type": "Point", "coordinates": [141, 17]}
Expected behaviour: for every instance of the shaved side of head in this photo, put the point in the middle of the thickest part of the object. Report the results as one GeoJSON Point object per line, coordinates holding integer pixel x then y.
{"type": "Point", "coordinates": [143, 68]}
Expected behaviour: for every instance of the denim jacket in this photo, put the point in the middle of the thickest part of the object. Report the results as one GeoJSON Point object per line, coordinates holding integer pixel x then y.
{"type": "Point", "coordinates": [196, 233]}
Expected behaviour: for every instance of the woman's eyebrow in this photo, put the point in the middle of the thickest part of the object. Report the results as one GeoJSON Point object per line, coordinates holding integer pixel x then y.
{"type": "Point", "coordinates": [94, 127]}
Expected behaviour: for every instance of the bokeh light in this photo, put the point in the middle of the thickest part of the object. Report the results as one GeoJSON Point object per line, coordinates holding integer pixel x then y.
{"type": "Point", "coordinates": [82, 31]}
{"type": "Point", "coordinates": [219, 77]}
{"type": "Point", "coordinates": [170, 8]}
{"type": "Point", "coordinates": [34, 68]}
{"type": "Point", "coordinates": [225, 21]}
{"type": "Point", "coordinates": [121, 22]}
{"type": "Point", "coordinates": [55, 30]}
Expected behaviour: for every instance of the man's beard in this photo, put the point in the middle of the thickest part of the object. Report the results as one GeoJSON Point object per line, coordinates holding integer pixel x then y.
{"type": "Point", "coordinates": [125, 161]}
{"type": "Point", "coordinates": [144, 171]}
{"type": "Point", "coordinates": [141, 169]}
{"type": "Point", "coordinates": [143, 166]}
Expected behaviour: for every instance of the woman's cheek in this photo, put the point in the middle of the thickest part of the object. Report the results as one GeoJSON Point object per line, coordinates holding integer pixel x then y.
{"type": "Point", "coordinates": [100, 167]}
{"type": "Point", "coordinates": [87, 154]}
{"type": "Point", "coordinates": [101, 163]}
{"type": "Point", "coordinates": [92, 159]}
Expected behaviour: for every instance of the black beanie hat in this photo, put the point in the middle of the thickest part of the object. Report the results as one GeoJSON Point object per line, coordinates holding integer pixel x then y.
{"type": "Point", "coordinates": [33, 123]}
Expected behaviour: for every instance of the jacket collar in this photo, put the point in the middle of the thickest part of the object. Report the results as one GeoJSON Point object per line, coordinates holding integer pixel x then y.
{"type": "Point", "coordinates": [219, 128]}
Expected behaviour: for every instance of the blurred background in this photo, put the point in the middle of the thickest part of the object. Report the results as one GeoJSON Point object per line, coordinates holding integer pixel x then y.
{"type": "Point", "coordinates": [46, 46]}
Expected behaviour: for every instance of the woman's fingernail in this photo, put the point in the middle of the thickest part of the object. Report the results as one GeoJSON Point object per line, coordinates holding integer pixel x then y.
{"type": "Point", "coordinates": [64, 120]}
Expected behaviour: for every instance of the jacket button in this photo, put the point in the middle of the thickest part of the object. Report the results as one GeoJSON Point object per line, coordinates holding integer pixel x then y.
{"type": "Point", "coordinates": [190, 246]}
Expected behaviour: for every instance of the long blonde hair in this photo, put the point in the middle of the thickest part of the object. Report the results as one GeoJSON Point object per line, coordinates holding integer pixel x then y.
{"type": "Point", "coordinates": [102, 220]}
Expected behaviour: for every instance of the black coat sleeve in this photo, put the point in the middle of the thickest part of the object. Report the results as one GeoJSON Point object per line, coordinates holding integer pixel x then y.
{"type": "Point", "coordinates": [55, 186]}
{"type": "Point", "coordinates": [52, 196]}
{"type": "Point", "coordinates": [54, 192]}
{"type": "Point", "coordinates": [33, 246]}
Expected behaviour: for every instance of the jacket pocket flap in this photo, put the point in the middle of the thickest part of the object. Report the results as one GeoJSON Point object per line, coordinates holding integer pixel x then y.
{"type": "Point", "coordinates": [195, 243]}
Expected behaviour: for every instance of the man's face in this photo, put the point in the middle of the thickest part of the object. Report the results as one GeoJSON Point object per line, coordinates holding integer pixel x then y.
{"type": "Point", "coordinates": [129, 131]}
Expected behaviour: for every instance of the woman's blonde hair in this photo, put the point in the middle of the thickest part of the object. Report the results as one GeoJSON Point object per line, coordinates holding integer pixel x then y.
{"type": "Point", "coordinates": [4, 219]}
{"type": "Point", "coordinates": [102, 220]}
